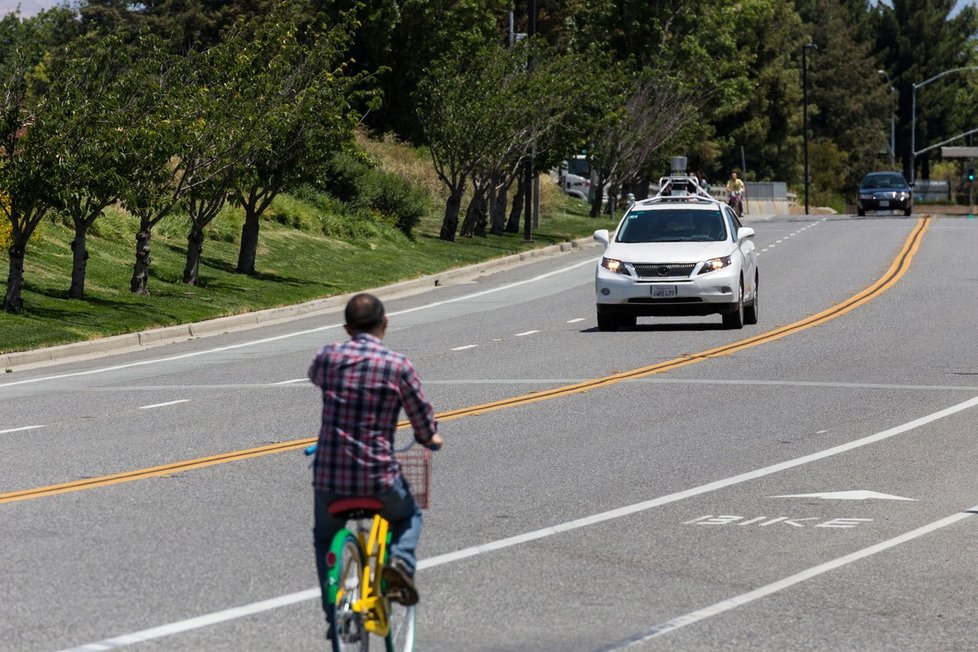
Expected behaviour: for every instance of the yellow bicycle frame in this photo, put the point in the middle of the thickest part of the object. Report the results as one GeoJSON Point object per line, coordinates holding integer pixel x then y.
{"type": "Point", "coordinates": [371, 604]}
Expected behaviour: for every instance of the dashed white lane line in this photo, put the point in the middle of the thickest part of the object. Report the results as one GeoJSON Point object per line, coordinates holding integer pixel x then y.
{"type": "Point", "coordinates": [525, 333]}
{"type": "Point", "coordinates": [291, 382]}
{"type": "Point", "coordinates": [574, 321]}
{"type": "Point", "coordinates": [576, 524]}
{"type": "Point", "coordinates": [21, 429]}
{"type": "Point", "coordinates": [158, 405]}
{"type": "Point", "coordinates": [467, 346]}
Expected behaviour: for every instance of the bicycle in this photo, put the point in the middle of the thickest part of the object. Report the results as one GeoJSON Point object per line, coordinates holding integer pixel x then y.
{"type": "Point", "coordinates": [354, 585]}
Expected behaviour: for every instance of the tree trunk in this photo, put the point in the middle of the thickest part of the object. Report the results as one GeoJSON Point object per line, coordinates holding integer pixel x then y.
{"type": "Point", "coordinates": [597, 197]}
{"type": "Point", "coordinates": [249, 241]}
{"type": "Point", "coordinates": [498, 209]}
{"type": "Point", "coordinates": [139, 284]}
{"type": "Point", "coordinates": [476, 216]}
{"type": "Point", "coordinates": [12, 301]}
{"type": "Point", "coordinates": [513, 225]}
{"type": "Point", "coordinates": [195, 247]}
{"type": "Point", "coordinates": [79, 262]}
{"type": "Point", "coordinates": [449, 225]}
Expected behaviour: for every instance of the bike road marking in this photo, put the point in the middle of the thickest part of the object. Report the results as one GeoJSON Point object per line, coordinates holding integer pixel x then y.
{"type": "Point", "coordinates": [266, 340]}
{"type": "Point", "coordinates": [568, 526]}
{"type": "Point", "coordinates": [786, 583]}
{"type": "Point", "coordinates": [899, 267]}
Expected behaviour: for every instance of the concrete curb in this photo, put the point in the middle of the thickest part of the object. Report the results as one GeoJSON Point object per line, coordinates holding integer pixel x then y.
{"type": "Point", "coordinates": [181, 333]}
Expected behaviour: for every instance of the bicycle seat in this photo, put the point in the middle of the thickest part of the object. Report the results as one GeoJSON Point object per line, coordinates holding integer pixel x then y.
{"type": "Point", "coordinates": [355, 507]}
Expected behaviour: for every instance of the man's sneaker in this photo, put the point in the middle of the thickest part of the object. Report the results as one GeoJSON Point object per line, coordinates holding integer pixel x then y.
{"type": "Point", "coordinates": [400, 583]}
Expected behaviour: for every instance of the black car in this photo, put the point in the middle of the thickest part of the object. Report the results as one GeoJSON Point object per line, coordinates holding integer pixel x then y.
{"type": "Point", "coordinates": [884, 191]}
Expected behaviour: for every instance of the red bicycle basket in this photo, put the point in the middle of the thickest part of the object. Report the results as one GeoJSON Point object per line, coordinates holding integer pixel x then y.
{"type": "Point", "coordinates": [416, 468]}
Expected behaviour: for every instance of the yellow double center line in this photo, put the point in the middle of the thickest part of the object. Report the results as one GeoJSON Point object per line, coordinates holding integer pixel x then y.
{"type": "Point", "coordinates": [899, 267]}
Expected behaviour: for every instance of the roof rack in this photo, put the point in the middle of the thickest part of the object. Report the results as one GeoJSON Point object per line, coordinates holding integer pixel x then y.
{"type": "Point", "coordinates": [681, 186]}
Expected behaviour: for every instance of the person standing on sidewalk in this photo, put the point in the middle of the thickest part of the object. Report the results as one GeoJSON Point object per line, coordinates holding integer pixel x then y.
{"type": "Point", "coordinates": [364, 386]}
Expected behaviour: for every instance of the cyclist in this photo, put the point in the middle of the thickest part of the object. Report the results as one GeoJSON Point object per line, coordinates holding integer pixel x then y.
{"type": "Point", "coordinates": [364, 386]}
{"type": "Point", "coordinates": [736, 189]}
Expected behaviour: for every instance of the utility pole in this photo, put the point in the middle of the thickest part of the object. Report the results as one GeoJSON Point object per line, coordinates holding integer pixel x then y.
{"type": "Point", "coordinates": [804, 94]}
{"type": "Point", "coordinates": [528, 197]}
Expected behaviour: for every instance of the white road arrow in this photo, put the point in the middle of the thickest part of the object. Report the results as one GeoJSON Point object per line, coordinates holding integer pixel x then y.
{"type": "Point", "coordinates": [848, 495]}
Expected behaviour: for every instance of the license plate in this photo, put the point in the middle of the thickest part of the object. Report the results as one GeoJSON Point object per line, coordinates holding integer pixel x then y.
{"type": "Point", "coordinates": [663, 291]}
{"type": "Point", "coordinates": [884, 203]}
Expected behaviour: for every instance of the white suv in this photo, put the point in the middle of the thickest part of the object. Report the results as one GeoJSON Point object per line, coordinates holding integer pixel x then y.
{"type": "Point", "coordinates": [679, 253]}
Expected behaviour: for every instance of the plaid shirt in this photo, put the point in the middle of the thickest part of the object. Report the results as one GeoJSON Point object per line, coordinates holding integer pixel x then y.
{"type": "Point", "coordinates": [364, 385]}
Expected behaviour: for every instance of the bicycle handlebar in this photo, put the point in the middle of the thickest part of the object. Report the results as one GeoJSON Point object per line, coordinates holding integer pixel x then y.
{"type": "Point", "coordinates": [310, 450]}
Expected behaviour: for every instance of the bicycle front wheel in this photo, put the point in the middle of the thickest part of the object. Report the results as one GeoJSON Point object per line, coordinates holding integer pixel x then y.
{"type": "Point", "coordinates": [347, 633]}
{"type": "Point", "coordinates": [402, 622]}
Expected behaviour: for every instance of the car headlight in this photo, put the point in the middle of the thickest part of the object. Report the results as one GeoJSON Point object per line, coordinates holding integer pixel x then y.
{"type": "Point", "coordinates": [714, 264]}
{"type": "Point", "coordinates": [614, 265]}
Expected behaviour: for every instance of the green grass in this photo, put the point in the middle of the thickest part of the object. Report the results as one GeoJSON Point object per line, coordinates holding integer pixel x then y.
{"type": "Point", "coordinates": [296, 262]}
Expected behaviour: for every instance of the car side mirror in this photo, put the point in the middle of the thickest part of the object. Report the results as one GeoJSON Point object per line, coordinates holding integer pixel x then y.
{"type": "Point", "coordinates": [602, 236]}
{"type": "Point", "coordinates": [744, 232]}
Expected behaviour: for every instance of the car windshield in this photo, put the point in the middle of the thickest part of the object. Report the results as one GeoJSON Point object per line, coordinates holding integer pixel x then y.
{"type": "Point", "coordinates": [884, 181]}
{"type": "Point", "coordinates": [678, 225]}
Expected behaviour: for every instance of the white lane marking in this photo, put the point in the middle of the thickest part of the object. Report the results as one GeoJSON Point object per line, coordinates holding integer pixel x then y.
{"type": "Point", "coordinates": [196, 623]}
{"type": "Point", "coordinates": [848, 495]}
{"type": "Point", "coordinates": [574, 321]}
{"type": "Point", "coordinates": [231, 347]}
{"type": "Point", "coordinates": [21, 429]}
{"type": "Point", "coordinates": [467, 346]}
{"type": "Point", "coordinates": [157, 405]}
{"type": "Point", "coordinates": [525, 333]}
{"type": "Point", "coordinates": [787, 582]}
{"type": "Point", "coordinates": [292, 382]}
{"type": "Point", "coordinates": [465, 553]}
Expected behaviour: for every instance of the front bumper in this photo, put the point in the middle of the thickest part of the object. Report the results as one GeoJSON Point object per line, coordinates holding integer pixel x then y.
{"type": "Point", "coordinates": [705, 294]}
{"type": "Point", "coordinates": [884, 202]}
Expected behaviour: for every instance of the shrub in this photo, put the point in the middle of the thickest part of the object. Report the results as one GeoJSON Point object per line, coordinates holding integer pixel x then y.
{"type": "Point", "coordinates": [394, 198]}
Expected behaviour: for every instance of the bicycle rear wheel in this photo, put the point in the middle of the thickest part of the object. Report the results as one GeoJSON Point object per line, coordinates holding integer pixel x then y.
{"type": "Point", "coordinates": [402, 622]}
{"type": "Point", "coordinates": [346, 577]}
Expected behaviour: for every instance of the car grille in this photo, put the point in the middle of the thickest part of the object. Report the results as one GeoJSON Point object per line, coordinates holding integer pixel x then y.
{"type": "Point", "coordinates": [663, 270]}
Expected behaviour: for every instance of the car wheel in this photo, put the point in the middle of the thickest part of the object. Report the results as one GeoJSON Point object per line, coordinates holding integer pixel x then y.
{"type": "Point", "coordinates": [607, 320]}
{"type": "Point", "coordinates": [735, 318]}
{"type": "Point", "coordinates": [626, 321]}
{"type": "Point", "coordinates": [860, 212]}
{"type": "Point", "coordinates": [750, 312]}
{"type": "Point", "coordinates": [908, 212]}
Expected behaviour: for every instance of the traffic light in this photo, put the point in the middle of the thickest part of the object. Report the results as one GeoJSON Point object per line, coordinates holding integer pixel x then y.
{"type": "Point", "coordinates": [971, 173]}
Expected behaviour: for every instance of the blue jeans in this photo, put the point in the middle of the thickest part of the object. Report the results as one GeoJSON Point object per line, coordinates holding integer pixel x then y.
{"type": "Point", "coordinates": [401, 512]}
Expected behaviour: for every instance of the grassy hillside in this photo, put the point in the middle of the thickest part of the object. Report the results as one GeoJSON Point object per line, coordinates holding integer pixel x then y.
{"type": "Point", "coordinates": [311, 246]}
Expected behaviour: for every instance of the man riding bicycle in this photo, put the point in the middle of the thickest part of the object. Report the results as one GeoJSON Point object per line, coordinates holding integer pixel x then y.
{"type": "Point", "coordinates": [736, 189]}
{"type": "Point", "coordinates": [364, 386]}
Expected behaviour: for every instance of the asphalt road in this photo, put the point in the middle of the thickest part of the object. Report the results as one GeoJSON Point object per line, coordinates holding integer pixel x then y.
{"type": "Point", "coordinates": [810, 488]}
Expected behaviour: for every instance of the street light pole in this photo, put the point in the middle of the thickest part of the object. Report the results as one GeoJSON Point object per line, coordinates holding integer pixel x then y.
{"type": "Point", "coordinates": [804, 128]}
{"type": "Point", "coordinates": [892, 118]}
{"type": "Point", "coordinates": [913, 116]}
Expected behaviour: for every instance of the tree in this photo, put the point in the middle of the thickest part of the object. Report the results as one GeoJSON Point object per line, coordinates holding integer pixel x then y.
{"type": "Point", "coordinates": [307, 112]}
{"type": "Point", "coordinates": [88, 101]}
{"type": "Point", "coordinates": [655, 108]}
{"type": "Point", "coordinates": [447, 106]}
{"type": "Point", "coordinates": [24, 182]}
{"type": "Point", "coordinates": [163, 144]}
{"type": "Point", "coordinates": [850, 99]}
{"type": "Point", "coordinates": [917, 40]}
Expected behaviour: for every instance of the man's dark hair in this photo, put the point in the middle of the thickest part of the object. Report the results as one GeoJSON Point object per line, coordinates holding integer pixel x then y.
{"type": "Point", "coordinates": [364, 312]}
